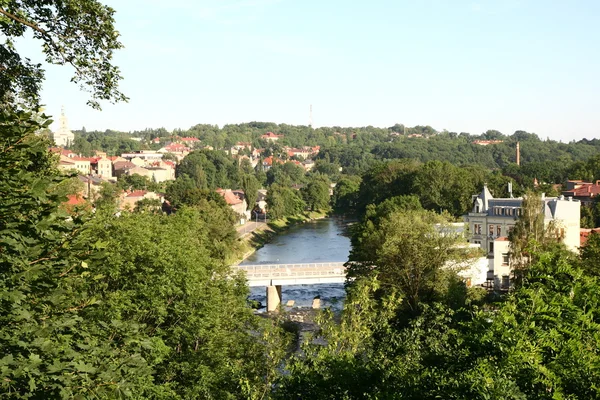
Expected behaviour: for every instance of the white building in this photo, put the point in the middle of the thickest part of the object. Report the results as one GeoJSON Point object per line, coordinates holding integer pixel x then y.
{"type": "Point", "coordinates": [63, 137]}
{"type": "Point", "coordinates": [491, 220]}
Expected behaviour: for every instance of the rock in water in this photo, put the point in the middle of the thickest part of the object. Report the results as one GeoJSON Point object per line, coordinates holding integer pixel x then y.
{"type": "Point", "coordinates": [316, 304]}
{"type": "Point", "coordinates": [290, 303]}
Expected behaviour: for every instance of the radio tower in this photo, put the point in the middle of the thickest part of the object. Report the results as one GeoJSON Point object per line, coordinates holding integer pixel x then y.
{"type": "Point", "coordinates": [310, 122]}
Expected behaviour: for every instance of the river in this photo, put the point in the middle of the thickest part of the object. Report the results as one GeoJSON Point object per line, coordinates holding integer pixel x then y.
{"type": "Point", "coordinates": [322, 240]}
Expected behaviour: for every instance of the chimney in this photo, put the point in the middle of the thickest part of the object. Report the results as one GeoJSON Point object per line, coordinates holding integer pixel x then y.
{"type": "Point", "coordinates": [518, 154]}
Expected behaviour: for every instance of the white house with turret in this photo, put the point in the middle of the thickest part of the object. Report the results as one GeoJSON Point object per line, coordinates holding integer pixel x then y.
{"type": "Point", "coordinates": [491, 220]}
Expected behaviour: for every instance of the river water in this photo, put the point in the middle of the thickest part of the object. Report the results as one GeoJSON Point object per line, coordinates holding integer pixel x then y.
{"type": "Point", "coordinates": [323, 240]}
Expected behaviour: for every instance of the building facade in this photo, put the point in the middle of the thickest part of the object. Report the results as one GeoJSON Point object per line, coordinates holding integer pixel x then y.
{"type": "Point", "coordinates": [492, 219]}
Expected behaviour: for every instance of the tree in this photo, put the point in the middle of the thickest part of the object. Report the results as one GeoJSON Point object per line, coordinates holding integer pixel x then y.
{"type": "Point", "coordinates": [283, 201]}
{"type": "Point", "coordinates": [43, 284]}
{"type": "Point", "coordinates": [345, 194]}
{"type": "Point", "coordinates": [531, 235]}
{"type": "Point", "coordinates": [316, 193]}
{"type": "Point", "coordinates": [169, 157]}
{"type": "Point", "coordinates": [541, 342]}
{"type": "Point", "coordinates": [409, 251]}
{"type": "Point", "coordinates": [80, 33]}
{"type": "Point", "coordinates": [590, 255]}
{"type": "Point", "coordinates": [250, 186]}
{"type": "Point", "coordinates": [133, 182]}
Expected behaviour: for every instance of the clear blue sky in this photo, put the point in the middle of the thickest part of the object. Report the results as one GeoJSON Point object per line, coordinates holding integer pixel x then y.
{"type": "Point", "coordinates": [457, 65]}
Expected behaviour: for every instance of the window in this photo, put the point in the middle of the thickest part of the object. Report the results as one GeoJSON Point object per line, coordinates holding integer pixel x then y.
{"type": "Point", "coordinates": [477, 229]}
{"type": "Point", "coordinates": [505, 281]}
{"type": "Point", "coordinates": [504, 258]}
{"type": "Point", "coordinates": [491, 230]}
{"type": "Point", "coordinates": [491, 247]}
{"type": "Point", "coordinates": [498, 230]}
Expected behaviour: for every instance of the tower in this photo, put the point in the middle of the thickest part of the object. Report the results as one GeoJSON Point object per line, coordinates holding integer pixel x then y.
{"type": "Point", "coordinates": [63, 137]}
{"type": "Point", "coordinates": [518, 154]}
{"type": "Point", "coordinates": [310, 120]}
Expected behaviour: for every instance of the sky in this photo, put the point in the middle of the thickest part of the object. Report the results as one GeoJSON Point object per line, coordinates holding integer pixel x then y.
{"type": "Point", "coordinates": [464, 66]}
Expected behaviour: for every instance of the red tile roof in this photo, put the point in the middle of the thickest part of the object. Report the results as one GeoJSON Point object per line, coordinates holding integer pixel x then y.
{"type": "Point", "coordinates": [271, 135]}
{"type": "Point", "coordinates": [584, 234]}
{"type": "Point", "coordinates": [584, 189]}
{"type": "Point", "coordinates": [137, 193]}
{"type": "Point", "coordinates": [74, 200]}
{"type": "Point", "coordinates": [229, 196]}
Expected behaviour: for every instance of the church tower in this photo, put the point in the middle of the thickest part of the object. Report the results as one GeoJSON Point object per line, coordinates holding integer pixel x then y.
{"type": "Point", "coordinates": [63, 137]}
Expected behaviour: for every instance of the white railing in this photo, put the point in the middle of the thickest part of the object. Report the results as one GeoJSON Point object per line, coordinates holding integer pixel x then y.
{"type": "Point", "coordinates": [255, 267]}
{"type": "Point", "coordinates": [283, 271]}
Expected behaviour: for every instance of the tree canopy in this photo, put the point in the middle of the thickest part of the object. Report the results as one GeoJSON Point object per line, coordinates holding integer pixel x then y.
{"type": "Point", "coordinates": [79, 33]}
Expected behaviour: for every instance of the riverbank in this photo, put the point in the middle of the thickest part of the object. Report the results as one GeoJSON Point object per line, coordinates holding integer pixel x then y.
{"type": "Point", "coordinates": [262, 235]}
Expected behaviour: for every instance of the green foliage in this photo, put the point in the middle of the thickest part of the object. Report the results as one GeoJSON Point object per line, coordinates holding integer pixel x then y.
{"type": "Point", "coordinates": [49, 349]}
{"type": "Point", "coordinates": [80, 33]}
{"type": "Point", "coordinates": [316, 193]}
{"type": "Point", "coordinates": [590, 255]}
{"type": "Point", "coordinates": [98, 306]}
{"type": "Point", "coordinates": [209, 169]}
{"type": "Point", "coordinates": [250, 186]}
{"type": "Point", "coordinates": [283, 201]}
{"type": "Point", "coordinates": [409, 251]}
{"type": "Point", "coordinates": [286, 174]}
{"type": "Point", "coordinates": [345, 194]}
{"type": "Point", "coordinates": [531, 236]}
{"type": "Point", "coordinates": [109, 141]}
{"type": "Point", "coordinates": [541, 343]}
{"type": "Point", "coordinates": [133, 182]}
{"type": "Point", "coordinates": [184, 192]}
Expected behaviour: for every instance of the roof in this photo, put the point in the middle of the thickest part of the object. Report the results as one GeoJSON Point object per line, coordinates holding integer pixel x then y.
{"type": "Point", "coordinates": [583, 189]}
{"type": "Point", "coordinates": [137, 193]}
{"type": "Point", "coordinates": [584, 234]}
{"type": "Point", "coordinates": [271, 135]}
{"type": "Point", "coordinates": [189, 139]}
{"type": "Point", "coordinates": [229, 196]}
{"type": "Point", "coordinates": [74, 200]}
{"type": "Point", "coordinates": [124, 165]}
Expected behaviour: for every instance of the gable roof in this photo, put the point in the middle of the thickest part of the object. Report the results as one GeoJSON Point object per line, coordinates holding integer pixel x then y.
{"type": "Point", "coordinates": [229, 196]}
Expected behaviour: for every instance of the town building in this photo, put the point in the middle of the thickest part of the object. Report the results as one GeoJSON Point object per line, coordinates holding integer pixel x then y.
{"type": "Point", "coordinates": [237, 203]}
{"type": "Point", "coordinates": [487, 142]}
{"type": "Point", "coordinates": [271, 137]}
{"type": "Point", "coordinates": [582, 191]}
{"type": "Point", "coordinates": [492, 219]}
{"type": "Point", "coordinates": [144, 155]}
